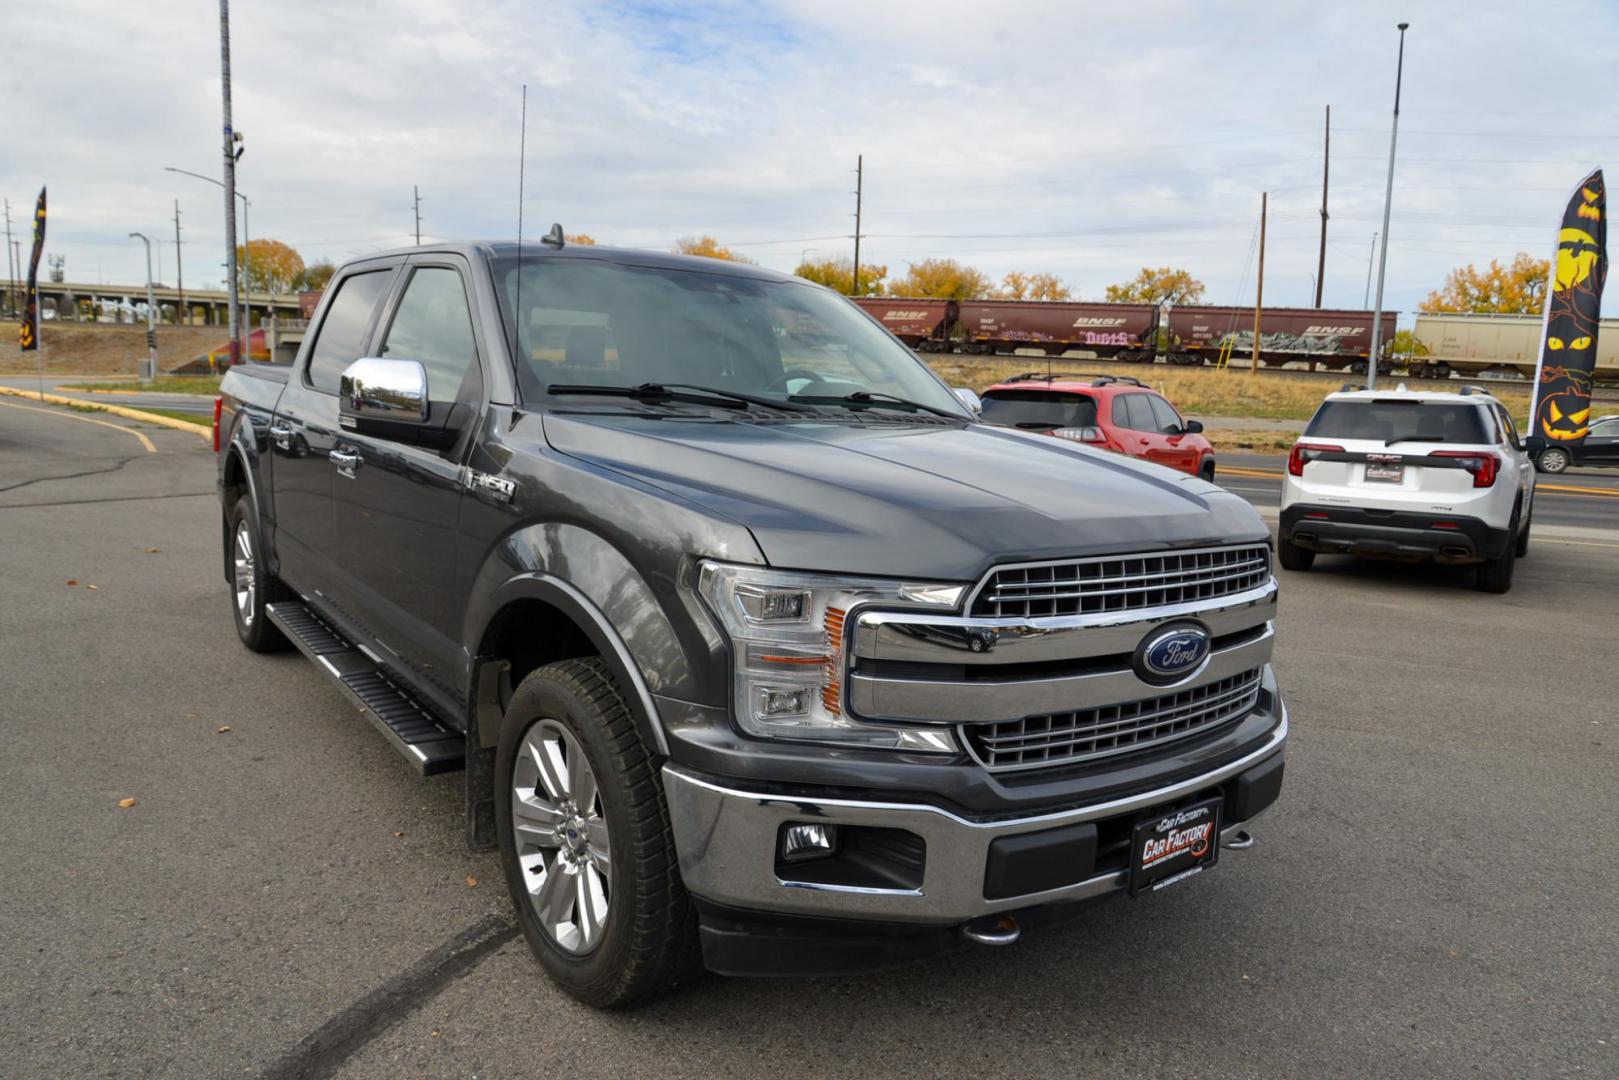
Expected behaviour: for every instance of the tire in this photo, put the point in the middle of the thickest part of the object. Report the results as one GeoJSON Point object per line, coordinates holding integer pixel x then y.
{"type": "Point", "coordinates": [253, 587]}
{"type": "Point", "coordinates": [1553, 459]}
{"type": "Point", "coordinates": [1521, 548]}
{"type": "Point", "coordinates": [1495, 575]}
{"type": "Point", "coordinates": [615, 852]}
{"type": "Point", "coordinates": [1293, 557]}
{"type": "Point", "coordinates": [1206, 470]}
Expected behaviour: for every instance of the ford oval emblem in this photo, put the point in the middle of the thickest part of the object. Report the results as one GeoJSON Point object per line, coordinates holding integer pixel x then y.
{"type": "Point", "coordinates": [1172, 653]}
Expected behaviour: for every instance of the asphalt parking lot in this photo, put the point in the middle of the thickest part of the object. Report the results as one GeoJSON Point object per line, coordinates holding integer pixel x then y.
{"type": "Point", "coordinates": [1432, 896]}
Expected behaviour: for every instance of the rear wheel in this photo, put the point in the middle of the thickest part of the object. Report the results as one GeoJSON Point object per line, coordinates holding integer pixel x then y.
{"type": "Point", "coordinates": [1522, 547]}
{"type": "Point", "coordinates": [1553, 459]}
{"type": "Point", "coordinates": [585, 840]}
{"type": "Point", "coordinates": [1294, 557]}
{"type": "Point", "coordinates": [1495, 575]}
{"type": "Point", "coordinates": [252, 586]}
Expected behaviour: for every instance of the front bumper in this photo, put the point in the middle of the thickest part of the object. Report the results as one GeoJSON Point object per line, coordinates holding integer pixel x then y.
{"type": "Point", "coordinates": [952, 868]}
{"type": "Point", "coordinates": [1390, 533]}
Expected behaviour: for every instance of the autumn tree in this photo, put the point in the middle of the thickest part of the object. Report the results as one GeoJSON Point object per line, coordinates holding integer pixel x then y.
{"type": "Point", "coordinates": [1406, 344]}
{"type": "Point", "coordinates": [837, 273]}
{"type": "Point", "coordinates": [708, 247]}
{"type": "Point", "coordinates": [582, 239]}
{"type": "Point", "coordinates": [1154, 286]}
{"type": "Point", "coordinates": [271, 265]}
{"type": "Point", "coordinates": [314, 277]}
{"type": "Point", "coordinates": [1516, 289]}
{"type": "Point", "coordinates": [1020, 286]}
{"type": "Point", "coordinates": [942, 279]}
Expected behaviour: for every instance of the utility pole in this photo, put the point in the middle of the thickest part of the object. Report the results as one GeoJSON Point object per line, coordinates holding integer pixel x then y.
{"type": "Point", "coordinates": [11, 273]}
{"type": "Point", "coordinates": [1259, 295]}
{"type": "Point", "coordinates": [859, 186]}
{"type": "Point", "coordinates": [1371, 260]}
{"type": "Point", "coordinates": [416, 197]}
{"type": "Point", "coordinates": [1321, 260]}
{"type": "Point", "coordinates": [1388, 202]}
{"type": "Point", "coordinates": [151, 310]}
{"type": "Point", "coordinates": [179, 269]}
{"type": "Point", "coordinates": [230, 182]}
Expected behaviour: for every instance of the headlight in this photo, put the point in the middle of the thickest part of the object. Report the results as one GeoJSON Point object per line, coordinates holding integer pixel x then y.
{"type": "Point", "coordinates": [786, 634]}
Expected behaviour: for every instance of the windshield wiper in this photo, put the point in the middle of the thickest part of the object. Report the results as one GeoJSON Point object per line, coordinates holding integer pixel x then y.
{"type": "Point", "coordinates": [686, 392]}
{"type": "Point", "coordinates": [877, 397]}
{"type": "Point", "coordinates": [1413, 438]}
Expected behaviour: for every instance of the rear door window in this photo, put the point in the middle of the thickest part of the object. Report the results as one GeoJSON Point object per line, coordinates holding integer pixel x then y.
{"type": "Point", "coordinates": [1037, 410]}
{"type": "Point", "coordinates": [1390, 421]}
{"type": "Point", "coordinates": [342, 330]}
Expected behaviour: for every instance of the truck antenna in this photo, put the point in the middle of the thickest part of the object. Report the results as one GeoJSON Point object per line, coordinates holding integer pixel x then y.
{"type": "Point", "coordinates": [522, 153]}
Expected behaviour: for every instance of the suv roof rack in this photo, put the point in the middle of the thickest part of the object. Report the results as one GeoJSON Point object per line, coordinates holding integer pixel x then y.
{"type": "Point", "coordinates": [1128, 380]}
{"type": "Point", "coordinates": [1469, 390]}
{"type": "Point", "coordinates": [1095, 379]}
{"type": "Point", "coordinates": [1351, 387]}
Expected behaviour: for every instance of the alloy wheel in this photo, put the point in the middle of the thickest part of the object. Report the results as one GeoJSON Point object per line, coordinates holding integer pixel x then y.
{"type": "Point", "coordinates": [245, 581]}
{"type": "Point", "coordinates": [561, 837]}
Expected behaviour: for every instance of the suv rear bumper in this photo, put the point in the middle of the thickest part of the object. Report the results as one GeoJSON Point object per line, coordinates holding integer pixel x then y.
{"type": "Point", "coordinates": [1354, 530]}
{"type": "Point", "coordinates": [924, 866]}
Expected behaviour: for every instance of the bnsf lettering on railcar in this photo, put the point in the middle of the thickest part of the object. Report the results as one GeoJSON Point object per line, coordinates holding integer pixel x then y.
{"type": "Point", "coordinates": [1083, 321]}
{"type": "Point", "coordinates": [887, 315]}
{"type": "Point", "coordinates": [1334, 329]}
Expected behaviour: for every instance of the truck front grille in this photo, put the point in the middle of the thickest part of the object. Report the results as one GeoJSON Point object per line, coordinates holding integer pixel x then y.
{"type": "Point", "coordinates": [1121, 583]}
{"type": "Point", "coordinates": [1070, 737]}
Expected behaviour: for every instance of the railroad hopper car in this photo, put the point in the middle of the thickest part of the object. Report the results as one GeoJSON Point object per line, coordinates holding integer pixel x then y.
{"type": "Point", "coordinates": [1503, 346]}
{"type": "Point", "coordinates": [923, 324]}
{"type": "Point", "coordinates": [1322, 337]}
{"type": "Point", "coordinates": [1106, 331]}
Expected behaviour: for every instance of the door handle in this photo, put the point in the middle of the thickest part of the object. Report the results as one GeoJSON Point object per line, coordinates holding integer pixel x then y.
{"type": "Point", "coordinates": [345, 460]}
{"type": "Point", "coordinates": [282, 436]}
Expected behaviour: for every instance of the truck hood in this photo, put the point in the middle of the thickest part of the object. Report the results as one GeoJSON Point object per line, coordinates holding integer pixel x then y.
{"type": "Point", "coordinates": [911, 501]}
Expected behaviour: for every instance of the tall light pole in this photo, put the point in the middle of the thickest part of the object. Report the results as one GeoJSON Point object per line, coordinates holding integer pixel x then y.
{"type": "Point", "coordinates": [1371, 261]}
{"type": "Point", "coordinates": [1388, 202]}
{"type": "Point", "coordinates": [247, 263]}
{"type": "Point", "coordinates": [151, 310]}
{"type": "Point", "coordinates": [229, 184]}
{"type": "Point", "coordinates": [803, 256]}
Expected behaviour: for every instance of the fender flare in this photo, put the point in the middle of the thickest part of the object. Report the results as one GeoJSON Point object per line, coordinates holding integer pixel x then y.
{"type": "Point", "coordinates": [536, 585]}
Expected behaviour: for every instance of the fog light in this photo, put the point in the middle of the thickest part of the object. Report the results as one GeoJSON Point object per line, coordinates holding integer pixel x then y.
{"type": "Point", "coordinates": [801, 841]}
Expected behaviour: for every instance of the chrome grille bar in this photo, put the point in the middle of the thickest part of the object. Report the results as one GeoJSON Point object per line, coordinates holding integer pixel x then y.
{"type": "Point", "coordinates": [1120, 583]}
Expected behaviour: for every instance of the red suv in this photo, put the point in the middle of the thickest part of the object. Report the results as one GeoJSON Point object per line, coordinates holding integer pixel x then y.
{"type": "Point", "coordinates": [1113, 412]}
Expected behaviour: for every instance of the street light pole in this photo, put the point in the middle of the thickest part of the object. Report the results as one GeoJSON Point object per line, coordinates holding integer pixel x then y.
{"type": "Point", "coordinates": [235, 331]}
{"type": "Point", "coordinates": [1388, 202]}
{"type": "Point", "coordinates": [229, 183]}
{"type": "Point", "coordinates": [151, 310]}
{"type": "Point", "coordinates": [1371, 261]}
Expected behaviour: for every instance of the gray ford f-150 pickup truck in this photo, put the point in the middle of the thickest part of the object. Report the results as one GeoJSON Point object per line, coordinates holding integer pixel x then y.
{"type": "Point", "coordinates": [757, 650]}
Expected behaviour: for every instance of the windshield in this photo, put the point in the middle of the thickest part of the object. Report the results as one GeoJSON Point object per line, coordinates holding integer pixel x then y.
{"type": "Point", "coordinates": [598, 323]}
{"type": "Point", "coordinates": [1399, 421]}
{"type": "Point", "coordinates": [1038, 409]}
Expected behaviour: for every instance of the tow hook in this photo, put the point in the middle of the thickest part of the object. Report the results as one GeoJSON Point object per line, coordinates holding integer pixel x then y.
{"type": "Point", "coordinates": [1241, 840]}
{"type": "Point", "coordinates": [992, 930]}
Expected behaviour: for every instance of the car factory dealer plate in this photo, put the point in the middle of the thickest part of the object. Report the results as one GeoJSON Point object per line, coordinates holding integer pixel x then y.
{"type": "Point", "coordinates": [1385, 468]}
{"type": "Point", "coordinates": [1174, 845]}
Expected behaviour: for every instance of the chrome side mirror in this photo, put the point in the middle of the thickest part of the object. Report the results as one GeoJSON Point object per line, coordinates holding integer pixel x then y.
{"type": "Point", "coordinates": [375, 388]}
{"type": "Point", "coordinates": [970, 399]}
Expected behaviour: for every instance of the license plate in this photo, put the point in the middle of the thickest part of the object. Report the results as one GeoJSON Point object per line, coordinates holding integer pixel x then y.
{"type": "Point", "coordinates": [1174, 845]}
{"type": "Point", "coordinates": [1385, 474]}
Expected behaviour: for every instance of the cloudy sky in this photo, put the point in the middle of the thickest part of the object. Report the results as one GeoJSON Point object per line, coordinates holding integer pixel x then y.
{"type": "Point", "coordinates": [1086, 139]}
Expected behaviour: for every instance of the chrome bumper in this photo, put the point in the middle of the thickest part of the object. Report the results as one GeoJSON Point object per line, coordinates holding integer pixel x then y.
{"type": "Point", "coordinates": [726, 840]}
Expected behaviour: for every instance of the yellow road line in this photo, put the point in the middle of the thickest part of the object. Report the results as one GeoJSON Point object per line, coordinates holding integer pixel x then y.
{"type": "Point", "coordinates": [204, 433]}
{"type": "Point", "coordinates": [1226, 470]}
{"type": "Point", "coordinates": [150, 449]}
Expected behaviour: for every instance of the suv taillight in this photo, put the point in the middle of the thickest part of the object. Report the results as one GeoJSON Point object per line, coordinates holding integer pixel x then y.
{"type": "Point", "coordinates": [1482, 465]}
{"type": "Point", "coordinates": [1305, 452]}
{"type": "Point", "coordinates": [1091, 436]}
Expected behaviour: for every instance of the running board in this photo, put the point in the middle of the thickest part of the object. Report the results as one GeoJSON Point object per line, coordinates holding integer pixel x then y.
{"type": "Point", "coordinates": [413, 729]}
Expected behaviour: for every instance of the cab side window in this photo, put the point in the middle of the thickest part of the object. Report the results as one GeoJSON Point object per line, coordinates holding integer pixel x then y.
{"type": "Point", "coordinates": [1139, 411]}
{"type": "Point", "coordinates": [1168, 420]}
{"type": "Point", "coordinates": [342, 330]}
{"type": "Point", "coordinates": [433, 325]}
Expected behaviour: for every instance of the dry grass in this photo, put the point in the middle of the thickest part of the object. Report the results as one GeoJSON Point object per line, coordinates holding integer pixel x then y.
{"type": "Point", "coordinates": [1198, 391]}
{"type": "Point", "coordinates": [104, 349]}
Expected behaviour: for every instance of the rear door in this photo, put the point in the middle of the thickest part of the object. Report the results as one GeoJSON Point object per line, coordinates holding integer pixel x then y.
{"type": "Point", "coordinates": [304, 431]}
{"type": "Point", "coordinates": [398, 504]}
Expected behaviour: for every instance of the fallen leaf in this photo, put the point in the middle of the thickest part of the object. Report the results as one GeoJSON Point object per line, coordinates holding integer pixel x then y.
{"type": "Point", "coordinates": [92, 586]}
{"type": "Point", "coordinates": [221, 729]}
{"type": "Point", "coordinates": [125, 804]}
{"type": "Point", "coordinates": [398, 835]}
{"type": "Point", "coordinates": [152, 551]}
{"type": "Point", "coordinates": [435, 1033]}
{"type": "Point", "coordinates": [72, 581]}
{"type": "Point", "coordinates": [472, 882]}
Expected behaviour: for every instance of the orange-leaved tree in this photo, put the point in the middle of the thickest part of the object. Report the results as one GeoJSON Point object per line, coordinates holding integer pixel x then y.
{"type": "Point", "coordinates": [708, 247]}
{"type": "Point", "coordinates": [837, 272]}
{"type": "Point", "coordinates": [1516, 289]}
{"type": "Point", "coordinates": [1020, 286]}
{"type": "Point", "coordinates": [582, 239]}
{"type": "Point", "coordinates": [942, 279]}
{"type": "Point", "coordinates": [1155, 285]}
{"type": "Point", "coordinates": [271, 265]}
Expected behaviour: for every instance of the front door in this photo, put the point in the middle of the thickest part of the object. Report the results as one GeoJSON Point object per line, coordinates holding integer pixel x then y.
{"type": "Point", "coordinates": [398, 504]}
{"type": "Point", "coordinates": [1601, 444]}
{"type": "Point", "coordinates": [304, 432]}
{"type": "Point", "coordinates": [1178, 451]}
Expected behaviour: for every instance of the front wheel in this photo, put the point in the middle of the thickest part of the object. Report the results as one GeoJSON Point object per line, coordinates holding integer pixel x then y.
{"type": "Point", "coordinates": [585, 840]}
{"type": "Point", "coordinates": [1552, 460]}
{"type": "Point", "coordinates": [1206, 470]}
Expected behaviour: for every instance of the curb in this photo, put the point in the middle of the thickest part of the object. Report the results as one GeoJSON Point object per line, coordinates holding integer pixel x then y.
{"type": "Point", "coordinates": [205, 433]}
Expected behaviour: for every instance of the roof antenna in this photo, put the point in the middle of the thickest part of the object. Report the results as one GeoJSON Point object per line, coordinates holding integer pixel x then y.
{"type": "Point", "coordinates": [522, 153]}
{"type": "Point", "coordinates": [554, 238]}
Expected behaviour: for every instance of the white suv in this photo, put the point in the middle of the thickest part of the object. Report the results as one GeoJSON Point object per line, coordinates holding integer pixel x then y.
{"type": "Point", "coordinates": [1410, 474]}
